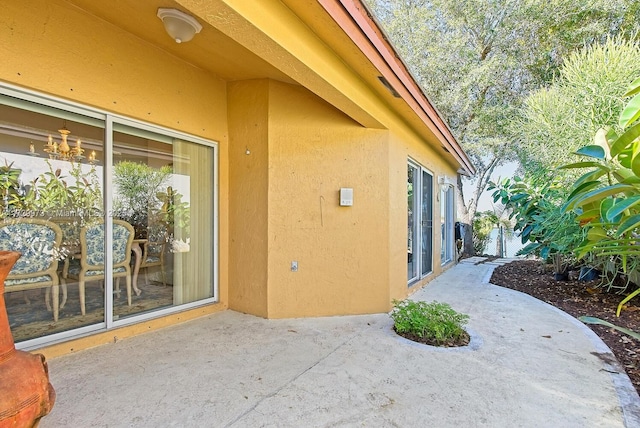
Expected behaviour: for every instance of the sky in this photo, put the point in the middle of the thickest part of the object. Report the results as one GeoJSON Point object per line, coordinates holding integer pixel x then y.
{"type": "Point", "coordinates": [486, 202]}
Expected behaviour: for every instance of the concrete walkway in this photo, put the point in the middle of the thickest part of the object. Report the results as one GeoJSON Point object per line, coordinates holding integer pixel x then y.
{"type": "Point", "coordinates": [530, 366]}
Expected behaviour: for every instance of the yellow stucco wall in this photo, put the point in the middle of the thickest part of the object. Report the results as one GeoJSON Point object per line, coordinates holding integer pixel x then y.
{"type": "Point", "coordinates": [248, 195]}
{"type": "Point", "coordinates": [342, 252]}
{"type": "Point", "coordinates": [284, 205]}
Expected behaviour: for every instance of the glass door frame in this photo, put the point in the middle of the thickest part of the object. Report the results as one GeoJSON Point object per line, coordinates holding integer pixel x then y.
{"type": "Point", "coordinates": [418, 224]}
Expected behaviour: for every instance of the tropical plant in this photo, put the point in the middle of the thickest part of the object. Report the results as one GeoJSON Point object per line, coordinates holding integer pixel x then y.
{"type": "Point", "coordinates": [548, 230]}
{"type": "Point", "coordinates": [48, 192]}
{"type": "Point", "coordinates": [9, 188]}
{"type": "Point", "coordinates": [174, 211]}
{"type": "Point", "coordinates": [598, 321]}
{"type": "Point", "coordinates": [606, 198]}
{"type": "Point", "coordinates": [53, 194]}
{"type": "Point", "coordinates": [85, 194]}
{"type": "Point", "coordinates": [434, 321]}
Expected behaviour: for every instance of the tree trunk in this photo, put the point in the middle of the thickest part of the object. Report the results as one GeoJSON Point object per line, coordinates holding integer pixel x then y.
{"type": "Point", "coordinates": [465, 219]}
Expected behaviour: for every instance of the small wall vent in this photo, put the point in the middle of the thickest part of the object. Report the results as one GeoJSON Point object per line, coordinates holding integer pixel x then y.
{"type": "Point", "coordinates": [387, 85]}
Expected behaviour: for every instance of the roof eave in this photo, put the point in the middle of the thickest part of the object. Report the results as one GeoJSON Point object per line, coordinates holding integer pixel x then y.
{"type": "Point", "coordinates": [359, 24]}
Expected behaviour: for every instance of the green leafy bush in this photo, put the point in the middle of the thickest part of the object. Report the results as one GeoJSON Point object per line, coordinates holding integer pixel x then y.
{"type": "Point", "coordinates": [437, 322]}
{"type": "Point", "coordinates": [53, 193]}
{"type": "Point", "coordinates": [549, 231]}
{"type": "Point", "coordinates": [606, 199]}
{"type": "Point", "coordinates": [483, 223]}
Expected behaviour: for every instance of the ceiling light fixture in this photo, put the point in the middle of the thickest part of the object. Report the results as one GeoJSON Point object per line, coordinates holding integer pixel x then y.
{"type": "Point", "coordinates": [180, 26]}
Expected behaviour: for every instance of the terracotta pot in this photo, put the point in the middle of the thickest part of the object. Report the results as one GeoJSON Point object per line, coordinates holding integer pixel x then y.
{"type": "Point", "coordinates": [25, 392]}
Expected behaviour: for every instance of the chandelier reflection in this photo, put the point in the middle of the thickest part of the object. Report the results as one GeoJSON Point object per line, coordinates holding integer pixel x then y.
{"type": "Point", "coordinates": [63, 150]}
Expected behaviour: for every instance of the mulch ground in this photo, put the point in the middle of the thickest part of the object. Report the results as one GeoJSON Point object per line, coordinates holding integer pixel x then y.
{"type": "Point", "coordinates": [579, 298]}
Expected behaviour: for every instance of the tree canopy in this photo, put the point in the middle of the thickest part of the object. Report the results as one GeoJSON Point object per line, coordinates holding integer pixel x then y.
{"type": "Point", "coordinates": [478, 60]}
{"type": "Point", "coordinates": [586, 96]}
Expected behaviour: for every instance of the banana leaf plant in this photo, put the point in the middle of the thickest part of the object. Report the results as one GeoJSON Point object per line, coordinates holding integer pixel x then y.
{"type": "Point", "coordinates": [606, 198]}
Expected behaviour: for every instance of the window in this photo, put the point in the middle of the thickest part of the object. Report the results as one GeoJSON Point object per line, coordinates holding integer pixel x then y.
{"type": "Point", "coordinates": [420, 222]}
{"type": "Point", "coordinates": [92, 181]}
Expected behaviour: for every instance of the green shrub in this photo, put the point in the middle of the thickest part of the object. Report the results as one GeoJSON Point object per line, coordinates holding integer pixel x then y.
{"type": "Point", "coordinates": [549, 231]}
{"type": "Point", "coordinates": [483, 223]}
{"type": "Point", "coordinates": [606, 198]}
{"type": "Point", "coordinates": [436, 322]}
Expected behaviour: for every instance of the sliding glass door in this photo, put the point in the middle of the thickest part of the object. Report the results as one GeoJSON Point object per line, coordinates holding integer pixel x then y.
{"type": "Point", "coordinates": [413, 193]}
{"type": "Point", "coordinates": [116, 219]}
{"type": "Point", "coordinates": [420, 222]}
{"type": "Point", "coordinates": [51, 182]}
{"type": "Point", "coordinates": [163, 188]}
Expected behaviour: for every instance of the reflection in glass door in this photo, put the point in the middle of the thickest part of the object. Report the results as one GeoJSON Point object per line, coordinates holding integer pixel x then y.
{"type": "Point", "coordinates": [412, 230]}
{"type": "Point", "coordinates": [51, 185]}
{"type": "Point", "coordinates": [163, 188]}
{"type": "Point", "coordinates": [115, 219]}
{"type": "Point", "coordinates": [420, 222]}
{"type": "Point", "coordinates": [427, 223]}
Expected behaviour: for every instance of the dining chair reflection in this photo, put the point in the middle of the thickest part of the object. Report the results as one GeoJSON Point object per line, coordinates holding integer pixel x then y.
{"type": "Point", "coordinates": [89, 265]}
{"type": "Point", "coordinates": [153, 250]}
{"type": "Point", "coordinates": [38, 242]}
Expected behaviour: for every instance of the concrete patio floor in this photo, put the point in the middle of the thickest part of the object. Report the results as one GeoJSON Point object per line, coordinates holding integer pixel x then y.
{"type": "Point", "coordinates": [531, 366]}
